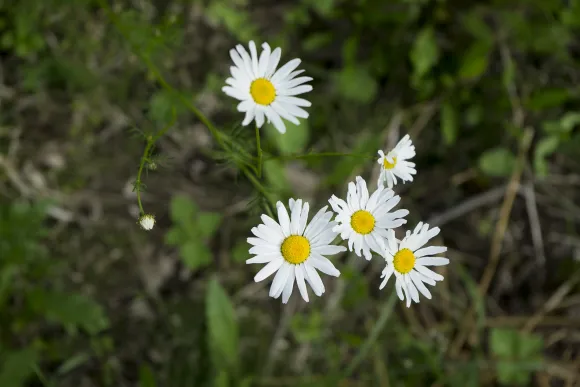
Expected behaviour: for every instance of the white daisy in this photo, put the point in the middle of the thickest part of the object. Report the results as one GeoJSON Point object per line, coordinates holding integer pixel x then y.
{"type": "Point", "coordinates": [395, 164]}
{"type": "Point", "coordinates": [408, 260]}
{"type": "Point", "coordinates": [147, 221]}
{"type": "Point", "coordinates": [265, 92]}
{"type": "Point", "coordinates": [364, 220]}
{"type": "Point", "coordinates": [294, 249]}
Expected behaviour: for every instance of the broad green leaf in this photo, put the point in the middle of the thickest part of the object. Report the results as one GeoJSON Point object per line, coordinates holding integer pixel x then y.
{"type": "Point", "coordinates": [425, 52]}
{"type": "Point", "coordinates": [208, 223]}
{"type": "Point", "coordinates": [17, 367]}
{"type": "Point", "coordinates": [545, 147]}
{"type": "Point", "coordinates": [547, 98]}
{"type": "Point", "coordinates": [449, 123]}
{"type": "Point", "coordinates": [175, 236]}
{"type": "Point", "coordinates": [146, 377]}
{"type": "Point", "coordinates": [355, 83]}
{"type": "Point", "coordinates": [222, 328]}
{"type": "Point", "coordinates": [183, 210]}
{"type": "Point", "coordinates": [293, 141]}
{"type": "Point", "coordinates": [71, 310]}
{"type": "Point", "coordinates": [474, 63]}
{"type": "Point", "coordinates": [530, 346]}
{"type": "Point", "coordinates": [195, 254]}
{"type": "Point", "coordinates": [497, 162]}
{"type": "Point", "coordinates": [503, 342]}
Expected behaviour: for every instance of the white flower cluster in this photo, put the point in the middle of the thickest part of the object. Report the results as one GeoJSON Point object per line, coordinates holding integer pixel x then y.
{"type": "Point", "coordinates": [296, 249]}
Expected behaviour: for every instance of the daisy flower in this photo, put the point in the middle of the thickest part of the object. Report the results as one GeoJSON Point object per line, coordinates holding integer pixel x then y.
{"type": "Point", "coordinates": [408, 259]}
{"type": "Point", "coordinates": [294, 250]}
{"type": "Point", "coordinates": [147, 222]}
{"type": "Point", "coordinates": [264, 92]}
{"type": "Point", "coordinates": [395, 164]}
{"type": "Point", "coordinates": [364, 220]}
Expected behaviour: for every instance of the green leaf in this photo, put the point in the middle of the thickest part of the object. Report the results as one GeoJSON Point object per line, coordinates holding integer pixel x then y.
{"type": "Point", "coordinates": [569, 121]}
{"type": "Point", "coordinates": [146, 377]}
{"type": "Point", "coordinates": [503, 342]}
{"type": "Point", "coordinates": [183, 210]}
{"type": "Point", "coordinates": [73, 362]}
{"type": "Point", "coordinates": [497, 162]}
{"type": "Point", "coordinates": [195, 254]}
{"type": "Point", "coordinates": [355, 83]}
{"type": "Point", "coordinates": [17, 367]}
{"type": "Point", "coordinates": [545, 147]}
{"type": "Point", "coordinates": [222, 328]}
{"type": "Point", "coordinates": [293, 141]}
{"type": "Point", "coordinates": [548, 98]}
{"type": "Point", "coordinates": [208, 223]}
{"type": "Point", "coordinates": [71, 310]}
{"type": "Point", "coordinates": [175, 236]}
{"type": "Point", "coordinates": [425, 52]}
{"type": "Point", "coordinates": [475, 61]}
{"type": "Point", "coordinates": [449, 123]}
{"type": "Point", "coordinates": [530, 346]}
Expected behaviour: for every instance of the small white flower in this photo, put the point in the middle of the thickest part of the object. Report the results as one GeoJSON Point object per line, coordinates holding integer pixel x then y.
{"type": "Point", "coordinates": [147, 221]}
{"type": "Point", "coordinates": [294, 250]}
{"type": "Point", "coordinates": [408, 259]}
{"type": "Point", "coordinates": [264, 92]}
{"type": "Point", "coordinates": [364, 220]}
{"type": "Point", "coordinates": [394, 164]}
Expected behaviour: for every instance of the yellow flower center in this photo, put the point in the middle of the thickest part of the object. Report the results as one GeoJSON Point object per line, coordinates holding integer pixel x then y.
{"type": "Point", "coordinates": [295, 249]}
{"type": "Point", "coordinates": [388, 165]}
{"type": "Point", "coordinates": [362, 222]}
{"type": "Point", "coordinates": [404, 261]}
{"type": "Point", "coordinates": [262, 91]}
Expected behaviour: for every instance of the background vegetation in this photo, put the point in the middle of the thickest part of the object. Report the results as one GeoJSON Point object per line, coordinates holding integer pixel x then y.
{"type": "Point", "coordinates": [487, 90]}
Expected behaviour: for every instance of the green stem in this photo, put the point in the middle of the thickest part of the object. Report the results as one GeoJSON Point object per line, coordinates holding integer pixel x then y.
{"type": "Point", "coordinates": [141, 167]}
{"type": "Point", "coordinates": [373, 336]}
{"type": "Point", "coordinates": [315, 155]}
{"type": "Point", "coordinates": [259, 152]}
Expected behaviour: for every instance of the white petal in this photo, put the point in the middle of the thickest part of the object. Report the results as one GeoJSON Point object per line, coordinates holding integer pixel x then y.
{"type": "Point", "coordinates": [250, 114]}
{"type": "Point", "coordinates": [294, 101]}
{"type": "Point", "coordinates": [264, 60]}
{"type": "Point", "coordinates": [296, 90]}
{"type": "Point", "coordinates": [279, 109]}
{"type": "Point", "coordinates": [276, 120]}
{"type": "Point", "coordinates": [288, 287]}
{"type": "Point", "coordinates": [432, 261]}
{"type": "Point", "coordinates": [258, 242]}
{"type": "Point", "coordinates": [264, 249]}
{"type": "Point", "coordinates": [283, 71]}
{"type": "Point", "coordinates": [323, 264]}
{"type": "Point", "coordinates": [280, 278]}
{"type": "Point", "coordinates": [387, 272]}
{"type": "Point", "coordinates": [269, 269]}
{"type": "Point", "coordinates": [362, 191]}
{"type": "Point", "coordinates": [259, 117]}
{"type": "Point", "coordinates": [273, 62]}
{"type": "Point", "coordinates": [419, 284]}
{"type": "Point", "coordinates": [295, 217]}
{"type": "Point", "coordinates": [234, 93]}
{"type": "Point", "coordinates": [313, 279]}
{"type": "Point", "coordinates": [299, 272]}
{"type": "Point", "coordinates": [254, 56]}
{"type": "Point", "coordinates": [399, 288]}
{"type": "Point", "coordinates": [303, 218]}
{"type": "Point", "coordinates": [412, 289]}
{"type": "Point", "coordinates": [283, 219]}
{"type": "Point", "coordinates": [329, 249]}
{"type": "Point", "coordinates": [431, 250]}
{"type": "Point", "coordinates": [429, 273]}
{"type": "Point", "coordinates": [263, 258]}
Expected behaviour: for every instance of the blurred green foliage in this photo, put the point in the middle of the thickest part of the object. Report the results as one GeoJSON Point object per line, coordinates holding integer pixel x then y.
{"type": "Point", "coordinates": [479, 65]}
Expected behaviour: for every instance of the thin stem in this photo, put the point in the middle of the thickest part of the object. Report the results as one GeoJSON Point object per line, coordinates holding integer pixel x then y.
{"type": "Point", "coordinates": [141, 167]}
{"type": "Point", "coordinates": [373, 336]}
{"type": "Point", "coordinates": [259, 152]}
{"type": "Point", "coordinates": [315, 155]}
